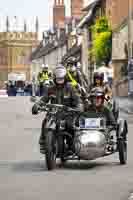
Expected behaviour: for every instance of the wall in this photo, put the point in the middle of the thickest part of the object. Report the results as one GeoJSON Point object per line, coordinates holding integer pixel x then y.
{"type": "Point", "coordinates": [55, 56]}
{"type": "Point", "coordinates": [15, 50]}
{"type": "Point", "coordinates": [120, 84]}
{"type": "Point", "coordinates": [121, 89]}
{"type": "Point", "coordinates": [59, 16]}
{"type": "Point", "coordinates": [117, 11]}
{"type": "Point", "coordinates": [76, 8]}
{"type": "Point", "coordinates": [119, 40]}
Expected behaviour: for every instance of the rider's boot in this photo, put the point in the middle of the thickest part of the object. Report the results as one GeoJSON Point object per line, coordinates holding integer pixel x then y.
{"type": "Point", "coordinates": [42, 145]}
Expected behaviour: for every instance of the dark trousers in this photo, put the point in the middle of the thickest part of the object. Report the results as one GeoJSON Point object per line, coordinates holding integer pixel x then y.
{"type": "Point", "coordinates": [69, 129]}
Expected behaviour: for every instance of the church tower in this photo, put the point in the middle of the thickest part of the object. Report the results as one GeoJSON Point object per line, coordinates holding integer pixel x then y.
{"type": "Point", "coordinates": [76, 8]}
{"type": "Point", "coordinates": [59, 14]}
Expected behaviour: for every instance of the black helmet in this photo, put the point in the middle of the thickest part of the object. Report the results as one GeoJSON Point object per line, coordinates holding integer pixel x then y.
{"type": "Point", "coordinates": [98, 76]}
{"type": "Point", "coordinates": [72, 60]}
{"type": "Point", "coordinates": [97, 93]}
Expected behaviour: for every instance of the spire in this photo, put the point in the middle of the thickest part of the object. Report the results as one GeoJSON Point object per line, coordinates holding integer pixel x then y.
{"type": "Point", "coordinates": [15, 23]}
{"type": "Point", "coordinates": [59, 2]}
{"type": "Point", "coordinates": [7, 24]}
{"type": "Point", "coordinates": [25, 26]}
{"type": "Point", "coordinates": [37, 24]}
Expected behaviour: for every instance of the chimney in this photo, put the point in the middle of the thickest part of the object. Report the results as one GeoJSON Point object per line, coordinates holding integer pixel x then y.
{"type": "Point", "coordinates": [76, 8]}
{"type": "Point", "coordinates": [59, 14]}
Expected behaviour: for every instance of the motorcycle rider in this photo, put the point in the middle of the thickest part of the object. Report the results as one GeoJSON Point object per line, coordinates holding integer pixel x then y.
{"type": "Point", "coordinates": [97, 96]}
{"type": "Point", "coordinates": [60, 93]}
{"type": "Point", "coordinates": [42, 77]}
{"type": "Point", "coordinates": [50, 74]}
{"type": "Point", "coordinates": [109, 102]}
{"type": "Point", "coordinates": [85, 80]}
{"type": "Point", "coordinates": [75, 77]}
{"type": "Point", "coordinates": [99, 82]}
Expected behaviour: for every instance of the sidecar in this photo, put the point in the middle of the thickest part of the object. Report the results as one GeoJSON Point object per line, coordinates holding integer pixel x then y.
{"type": "Point", "coordinates": [92, 140]}
{"type": "Point", "coordinates": [95, 139]}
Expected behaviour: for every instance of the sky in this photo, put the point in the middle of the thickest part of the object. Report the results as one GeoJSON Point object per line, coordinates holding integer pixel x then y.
{"type": "Point", "coordinates": [28, 9]}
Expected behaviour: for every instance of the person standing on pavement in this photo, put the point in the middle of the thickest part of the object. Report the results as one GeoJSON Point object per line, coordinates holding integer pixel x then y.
{"type": "Point", "coordinates": [75, 77]}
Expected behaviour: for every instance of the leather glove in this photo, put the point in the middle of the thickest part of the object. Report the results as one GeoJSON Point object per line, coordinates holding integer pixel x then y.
{"type": "Point", "coordinates": [35, 109]}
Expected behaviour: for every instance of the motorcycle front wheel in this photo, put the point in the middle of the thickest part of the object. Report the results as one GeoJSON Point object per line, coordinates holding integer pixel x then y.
{"type": "Point", "coordinates": [51, 150]}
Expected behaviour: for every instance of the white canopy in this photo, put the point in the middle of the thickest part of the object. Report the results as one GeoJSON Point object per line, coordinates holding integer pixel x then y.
{"type": "Point", "coordinates": [108, 72]}
{"type": "Point", "coordinates": [16, 77]}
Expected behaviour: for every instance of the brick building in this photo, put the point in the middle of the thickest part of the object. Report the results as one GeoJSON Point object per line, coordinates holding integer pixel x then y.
{"type": "Point", "coordinates": [59, 14]}
{"type": "Point", "coordinates": [117, 12]}
{"type": "Point", "coordinates": [76, 8]}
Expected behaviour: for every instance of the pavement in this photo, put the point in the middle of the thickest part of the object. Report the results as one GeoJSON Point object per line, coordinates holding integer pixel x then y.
{"type": "Point", "coordinates": [23, 173]}
{"type": "Point", "coordinates": [125, 104]}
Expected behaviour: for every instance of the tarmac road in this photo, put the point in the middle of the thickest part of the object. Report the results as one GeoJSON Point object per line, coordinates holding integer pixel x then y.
{"type": "Point", "coordinates": [23, 174]}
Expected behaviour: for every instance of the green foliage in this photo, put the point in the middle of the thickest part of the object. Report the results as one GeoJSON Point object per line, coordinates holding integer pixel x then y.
{"type": "Point", "coordinates": [101, 25]}
{"type": "Point", "coordinates": [102, 41]}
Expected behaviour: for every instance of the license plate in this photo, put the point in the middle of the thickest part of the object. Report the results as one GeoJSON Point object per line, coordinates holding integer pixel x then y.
{"type": "Point", "coordinates": [90, 123]}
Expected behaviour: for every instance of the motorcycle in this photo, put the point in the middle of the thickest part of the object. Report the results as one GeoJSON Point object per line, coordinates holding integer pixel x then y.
{"type": "Point", "coordinates": [92, 137]}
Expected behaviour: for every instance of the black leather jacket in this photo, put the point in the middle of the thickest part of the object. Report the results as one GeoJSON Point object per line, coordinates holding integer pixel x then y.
{"type": "Point", "coordinates": [65, 95]}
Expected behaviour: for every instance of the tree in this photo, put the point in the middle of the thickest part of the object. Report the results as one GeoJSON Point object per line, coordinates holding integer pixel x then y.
{"type": "Point", "coordinates": [102, 41]}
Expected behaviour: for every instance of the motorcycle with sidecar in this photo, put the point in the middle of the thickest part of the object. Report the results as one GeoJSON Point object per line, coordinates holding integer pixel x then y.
{"type": "Point", "coordinates": [92, 137]}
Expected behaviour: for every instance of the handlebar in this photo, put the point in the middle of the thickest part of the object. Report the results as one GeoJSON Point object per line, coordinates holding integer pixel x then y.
{"type": "Point", "coordinates": [61, 107]}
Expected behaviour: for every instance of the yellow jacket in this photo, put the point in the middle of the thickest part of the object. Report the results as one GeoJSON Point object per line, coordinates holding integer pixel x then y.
{"type": "Point", "coordinates": [43, 76]}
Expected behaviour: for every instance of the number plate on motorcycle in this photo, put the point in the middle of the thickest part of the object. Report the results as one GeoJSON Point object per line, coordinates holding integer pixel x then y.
{"type": "Point", "coordinates": [90, 123]}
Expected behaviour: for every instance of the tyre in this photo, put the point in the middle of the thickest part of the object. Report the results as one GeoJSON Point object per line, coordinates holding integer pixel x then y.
{"type": "Point", "coordinates": [61, 149]}
{"type": "Point", "coordinates": [122, 149]}
{"type": "Point", "coordinates": [115, 110]}
{"type": "Point", "coordinates": [116, 115]}
{"type": "Point", "coordinates": [51, 150]}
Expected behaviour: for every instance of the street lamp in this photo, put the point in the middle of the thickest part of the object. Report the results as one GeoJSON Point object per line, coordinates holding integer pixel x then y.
{"type": "Point", "coordinates": [130, 60]}
{"type": "Point", "coordinates": [129, 29]}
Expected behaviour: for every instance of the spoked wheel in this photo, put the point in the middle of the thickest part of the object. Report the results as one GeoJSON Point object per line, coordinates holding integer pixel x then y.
{"type": "Point", "coordinates": [122, 149]}
{"type": "Point", "coordinates": [51, 150]}
{"type": "Point", "coordinates": [61, 149]}
{"type": "Point", "coordinates": [115, 110]}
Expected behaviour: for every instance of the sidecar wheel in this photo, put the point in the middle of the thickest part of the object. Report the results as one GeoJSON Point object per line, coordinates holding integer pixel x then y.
{"type": "Point", "coordinates": [51, 150]}
{"type": "Point", "coordinates": [63, 160]}
{"type": "Point", "coordinates": [122, 149]}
